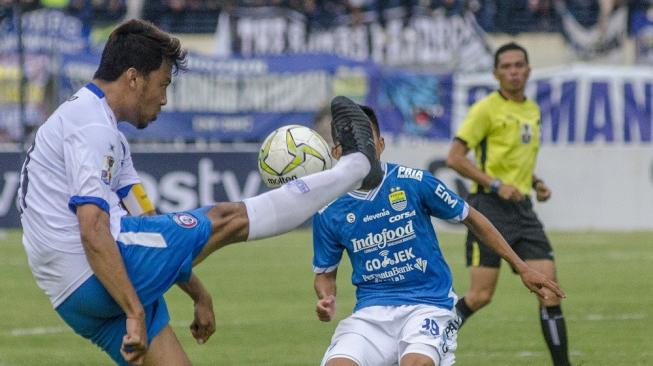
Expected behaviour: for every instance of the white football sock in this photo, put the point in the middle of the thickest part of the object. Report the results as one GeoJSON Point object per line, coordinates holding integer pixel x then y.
{"type": "Point", "coordinates": [283, 209]}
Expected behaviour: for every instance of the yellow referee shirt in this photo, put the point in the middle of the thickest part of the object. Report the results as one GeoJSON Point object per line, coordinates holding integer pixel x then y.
{"type": "Point", "coordinates": [505, 136]}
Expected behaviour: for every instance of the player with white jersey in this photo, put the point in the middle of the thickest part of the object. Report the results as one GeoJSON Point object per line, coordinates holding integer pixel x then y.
{"type": "Point", "coordinates": [80, 134]}
{"type": "Point", "coordinates": [404, 312]}
{"type": "Point", "coordinates": [104, 271]}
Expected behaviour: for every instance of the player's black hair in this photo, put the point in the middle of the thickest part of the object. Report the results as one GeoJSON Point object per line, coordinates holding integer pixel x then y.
{"type": "Point", "coordinates": [372, 116]}
{"type": "Point", "coordinates": [512, 46]}
{"type": "Point", "coordinates": [141, 45]}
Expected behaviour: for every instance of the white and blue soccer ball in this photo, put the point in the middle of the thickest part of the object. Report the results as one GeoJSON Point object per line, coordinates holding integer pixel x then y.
{"type": "Point", "coordinates": [291, 152]}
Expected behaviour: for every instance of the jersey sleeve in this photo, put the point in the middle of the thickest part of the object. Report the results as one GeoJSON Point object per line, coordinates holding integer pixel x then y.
{"type": "Point", "coordinates": [327, 252]}
{"type": "Point", "coordinates": [475, 126]}
{"type": "Point", "coordinates": [440, 201]}
{"type": "Point", "coordinates": [131, 191]}
{"type": "Point", "coordinates": [90, 156]}
{"type": "Point", "coordinates": [128, 175]}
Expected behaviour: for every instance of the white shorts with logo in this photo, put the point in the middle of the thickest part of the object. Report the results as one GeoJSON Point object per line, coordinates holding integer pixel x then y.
{"type": "Point", "coordinates": [382, 335]}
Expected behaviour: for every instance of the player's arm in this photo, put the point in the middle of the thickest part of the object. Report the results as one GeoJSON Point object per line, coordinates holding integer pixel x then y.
{"type": "Point", "coordinates": [132, 193]}
{"type": "Point", "coordinates": [489, 235]}
{"type": "Point", "coordinates": [203, 325]}
{"type": "Point", "coordinates": [325, 289]}
{"type": "Point", "coordinates": [107, 264]}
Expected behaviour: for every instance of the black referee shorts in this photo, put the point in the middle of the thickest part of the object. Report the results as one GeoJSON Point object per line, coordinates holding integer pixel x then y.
{"type": "Point", "coordinates": [518, 224]}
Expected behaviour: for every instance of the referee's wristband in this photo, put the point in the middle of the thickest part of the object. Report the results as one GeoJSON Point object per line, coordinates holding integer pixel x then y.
{"type": "Point", "coordinates": [494, 186]}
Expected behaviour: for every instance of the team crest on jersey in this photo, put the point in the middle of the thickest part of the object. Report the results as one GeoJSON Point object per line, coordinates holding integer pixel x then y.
{"type": "Point", "coordinates": [397, 198]}
{"type": "Point", "coordinates": [185, 220]}
{"type": "Point", "coordinates": [526, 133]}
{"type": "Point", "coordinates": [351, 217]}
{"type": "Point", "coordinates": [107, 167]}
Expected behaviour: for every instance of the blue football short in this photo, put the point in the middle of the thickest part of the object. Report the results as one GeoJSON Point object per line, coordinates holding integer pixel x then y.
{"type": "Point", "coordinates": [158, 252]}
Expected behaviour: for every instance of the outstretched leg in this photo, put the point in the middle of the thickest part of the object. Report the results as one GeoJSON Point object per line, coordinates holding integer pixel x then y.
{"type": "Point", "coordinates": [283, 209]}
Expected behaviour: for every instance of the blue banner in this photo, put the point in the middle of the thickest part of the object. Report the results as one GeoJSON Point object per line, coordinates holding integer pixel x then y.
{"type": "Point", "coordinates": [240, 99]}
{"type": "Point", "coordinates": [245, 99]}
{"type": "Point", "coordinates": [581, 104]}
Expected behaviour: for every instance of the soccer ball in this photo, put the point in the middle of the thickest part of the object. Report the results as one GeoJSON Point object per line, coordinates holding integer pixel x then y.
{"type": "Point", "coordinates": [291, 152]}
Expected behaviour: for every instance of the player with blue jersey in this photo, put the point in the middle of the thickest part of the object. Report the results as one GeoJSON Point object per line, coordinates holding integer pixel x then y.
{"type": "Point", "coordinates": [404, 312]}
{"type": "Point", "coordinates": [103, 263]}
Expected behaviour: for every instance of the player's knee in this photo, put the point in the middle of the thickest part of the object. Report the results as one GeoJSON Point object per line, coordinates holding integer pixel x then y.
{"type": "Point", "coordinates": [229, 222]}
{"type": "Point", "coordinates": [478, 299]}
{"type": "Point", "coordinates": [414, 359]}
{"type": "Point", "coordinates": [550, 298]}
{"type": "Point", "coordinates": [341, 361]}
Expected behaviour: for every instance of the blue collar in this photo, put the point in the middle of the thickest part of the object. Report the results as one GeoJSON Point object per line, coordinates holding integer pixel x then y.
{"type": "Point", "coordinates": [95, 89]}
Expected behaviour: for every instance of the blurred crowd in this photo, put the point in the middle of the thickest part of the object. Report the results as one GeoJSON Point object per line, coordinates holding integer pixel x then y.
{"type": "Point", "coordinates": [201, 16]}
{"type": "Point", "coordinates": [503, 16]}
{"type": "Point", "coordinates": [493, 15]}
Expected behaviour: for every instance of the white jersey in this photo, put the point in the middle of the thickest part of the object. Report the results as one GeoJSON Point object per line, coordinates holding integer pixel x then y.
{"type": "Point", "coordinates": [78, 157]}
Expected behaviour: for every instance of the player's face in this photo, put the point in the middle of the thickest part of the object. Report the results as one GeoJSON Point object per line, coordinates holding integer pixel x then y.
{"type": "Point", "coordinates": [153, 95]}
{"type": "Point", "coordinates": [512, 71]}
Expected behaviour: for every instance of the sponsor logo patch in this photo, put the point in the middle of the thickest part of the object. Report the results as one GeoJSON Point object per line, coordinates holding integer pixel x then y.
{"type": "Point", "coordinates": [421, 264]}
{"type": "Point", "coordinates": [397, 199]}
{"type": "Point", "coordinates": [185, 220]}
{"type": "Point", "coordinates": [387, 237]}
{"type": "Point", "coordinates": [107, 166]}
{"type": "Point", "coordinates": [405, 172]}
{"type": "Point", "coordinates": [378, 215]}
{"type": "Point", "coordinates": [401, 216]}
{"type": "Point", "coordinates": [299, 184]}
{"type": "Point", "coordinates": [441, 191]}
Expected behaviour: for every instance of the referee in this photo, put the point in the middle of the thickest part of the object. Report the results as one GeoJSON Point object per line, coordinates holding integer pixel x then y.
{"type": "Point", "coordinates": [503, 129]}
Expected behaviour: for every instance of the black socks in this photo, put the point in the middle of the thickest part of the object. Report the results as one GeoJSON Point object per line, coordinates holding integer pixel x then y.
{"type": "Point", "coordinates": [555, 334]}
{"type": "Point", "coordinates": [463, 310]}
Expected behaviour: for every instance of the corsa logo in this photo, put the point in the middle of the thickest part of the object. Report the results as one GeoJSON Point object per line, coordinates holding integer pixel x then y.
{"type": "Point", "coordinates": [402, 216]}
{"type": "Point", "coordinates": [385, 237]}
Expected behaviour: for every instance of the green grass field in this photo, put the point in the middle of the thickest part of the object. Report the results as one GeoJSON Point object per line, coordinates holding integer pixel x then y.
{"type": "Point", "coordinates": [264, 303]}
